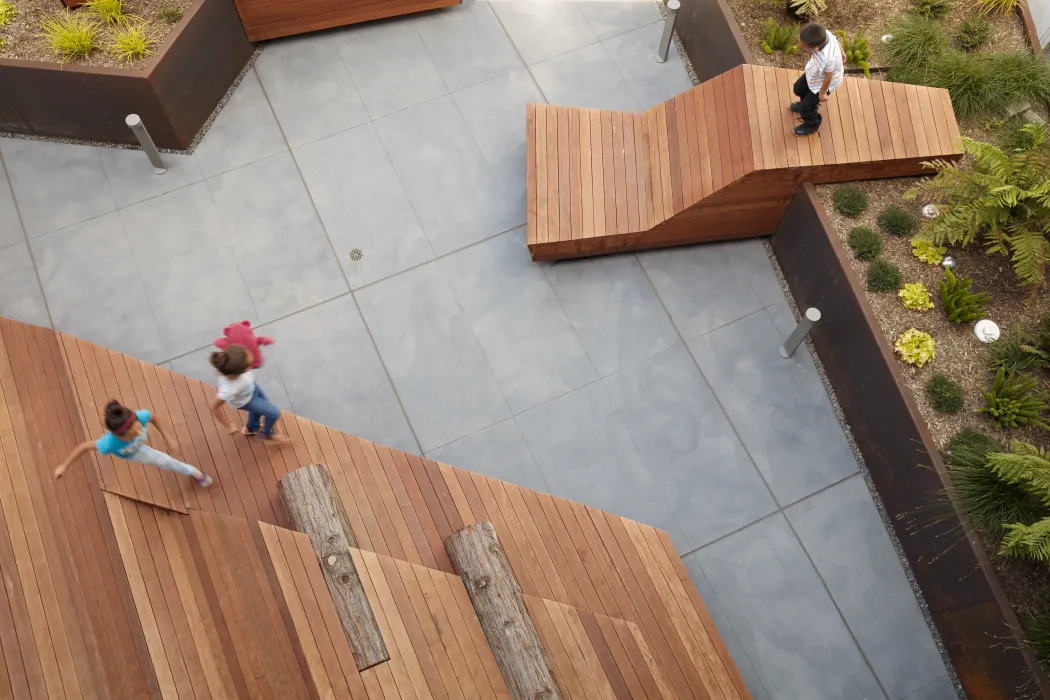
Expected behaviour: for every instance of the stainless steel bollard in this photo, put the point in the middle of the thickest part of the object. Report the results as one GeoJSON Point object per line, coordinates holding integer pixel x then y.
{"type": "Point", "coordinates": [135, 123]}
{"type": "Point", "coordinates": [665, 41]}
{"type": "Point", "coordinates": [799, 334]}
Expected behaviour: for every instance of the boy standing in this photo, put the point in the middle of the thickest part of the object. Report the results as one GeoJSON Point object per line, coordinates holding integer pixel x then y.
{"type": "Point", "coordinates": [823, 74]}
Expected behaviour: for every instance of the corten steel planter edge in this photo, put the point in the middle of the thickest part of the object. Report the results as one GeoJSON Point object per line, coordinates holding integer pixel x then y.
{"type": "Point", "coordinates": [174, 93]}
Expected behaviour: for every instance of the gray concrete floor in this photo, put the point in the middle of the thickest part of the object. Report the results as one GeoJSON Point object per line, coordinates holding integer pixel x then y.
{"type": "Point", "coordinates": [648, 384]}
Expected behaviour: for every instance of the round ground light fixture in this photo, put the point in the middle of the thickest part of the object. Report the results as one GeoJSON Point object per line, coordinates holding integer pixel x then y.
{"type": "Point", "coordinates": [987, 331]}
{"type": "Point", "coordinates": [930, 211]}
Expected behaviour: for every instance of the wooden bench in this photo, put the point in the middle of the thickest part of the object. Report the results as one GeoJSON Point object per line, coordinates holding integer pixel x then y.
{"type": "Point", "coordinates": [716, 162]}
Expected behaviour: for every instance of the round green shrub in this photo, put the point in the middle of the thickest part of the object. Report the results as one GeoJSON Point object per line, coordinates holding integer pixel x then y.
{"type": "Point", "coordinates": [973, 33]}
{"type": "Point", "coordinates": [883, 277]}
{"type": "Point", "coordinates": [895, 221]}
{"type": "Point", "coordinates": [970, 82]}
{"type": "Point", "coordinates": [865, 242]}
{"type": "Point", "coordinates": [945, 395]}
{"type": "Point", "coordinates": [850, 201]}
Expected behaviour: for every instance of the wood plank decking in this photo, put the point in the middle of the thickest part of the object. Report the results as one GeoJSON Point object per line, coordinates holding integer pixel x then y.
{"type": "Point", "coordinates": [119, 585]}
{"type": "Point", "coordinates": [716, 162]}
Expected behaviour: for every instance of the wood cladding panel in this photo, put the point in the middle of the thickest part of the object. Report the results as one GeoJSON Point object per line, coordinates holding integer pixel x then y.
{"type": "Point", "coordinates": [269, 19]}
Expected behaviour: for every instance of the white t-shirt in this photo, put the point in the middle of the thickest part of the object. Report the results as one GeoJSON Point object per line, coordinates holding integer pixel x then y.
{"type": "Point", "coordinates": [827, 60]}
{"type": "Point", "coordinates": [237, 392]}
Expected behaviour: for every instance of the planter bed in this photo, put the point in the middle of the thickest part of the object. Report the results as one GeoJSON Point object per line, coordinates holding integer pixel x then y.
{"type": "Point", "coordinates": [174, 92]}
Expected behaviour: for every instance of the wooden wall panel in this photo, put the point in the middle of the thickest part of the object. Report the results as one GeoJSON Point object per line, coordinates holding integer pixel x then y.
{"type": "Point", "coordinates": [269, 19]}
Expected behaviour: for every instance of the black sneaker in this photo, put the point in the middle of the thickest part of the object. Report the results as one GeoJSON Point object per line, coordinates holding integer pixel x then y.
{"type": "Point", "coordinates": [805, 129]}
{"type": "Point", "coordinates": [795, 107]}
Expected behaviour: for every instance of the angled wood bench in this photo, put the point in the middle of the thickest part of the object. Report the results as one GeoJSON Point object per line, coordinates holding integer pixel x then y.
{"type": "Point", "coordinates": [716, 162]}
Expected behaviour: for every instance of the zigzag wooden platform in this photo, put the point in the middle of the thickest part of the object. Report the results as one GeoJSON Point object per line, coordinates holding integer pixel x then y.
{"type": "Point", "coordinates": [123, 582]}
{"type": "Point", "coordinates": [716, 162]}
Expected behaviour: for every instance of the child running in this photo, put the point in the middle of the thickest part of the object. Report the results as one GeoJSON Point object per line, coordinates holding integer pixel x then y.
{"type": "Point", "coordinates": [237, 387]}
{"type": "Point", "coordinates": [125, 437]}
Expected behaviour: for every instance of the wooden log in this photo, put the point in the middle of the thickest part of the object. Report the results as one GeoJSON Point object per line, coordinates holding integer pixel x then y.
{"type": "Point", "coordinates": [314, 507]}
{"type": "Point", "coordinates": [479, 558]}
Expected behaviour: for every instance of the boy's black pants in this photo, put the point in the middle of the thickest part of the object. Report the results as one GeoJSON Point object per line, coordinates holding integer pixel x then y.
{"type": "Point", "coordinates": [810, 101]}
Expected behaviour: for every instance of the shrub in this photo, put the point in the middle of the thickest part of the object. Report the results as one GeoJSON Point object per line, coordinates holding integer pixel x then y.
{"type": "Point", "coordinates": [996, 7]}
{"type": "Point", "coordinates": [944, 395]}
{"type": "Point", "coordinates": [807, 9]}
{"type": "Point", "coordinates": [779, 37]}
{"type": "Point", "coordinates": [916, 297]}
{"type": "Point", "coordinates": [973, 33]}
{"type": "Point", "coordinates": [896, 221]}
{"type": "Point", "coordinates": [1001, 197]}
{"type": "Point", "coordinates": [131, 42]}
{"type": "Point", "coordinates": [8, 12]}
{"type": "Point", "coordinates": [71, 35]}
{"type": "Point", "coordinates": [927, 252]}
{"type": "Point", "coordinates": [968, 80]}
{"type": "Point", "coordinates": [1037, 632]}
{"type": "Point", "coordinates": [916, 42]}
{"type": "Point", "coordinates": [850, 201]}
{"type": "Point", "coordinates": [109, 11]}
{"type": "Point", "coordinates": [866, 243]}
{"type": "Point", "coordinates": [1013, 401]}
{"type": "Point", "coordinates": [883, 277]}
{"type": "Point", "coordinates": [934, 8]}
{"type": "Point", "coordinates": [960, 304]}
{"type": "Point", "coordinates": [1019, 77]}
{"type": "Point", "coordinates": [169, 14]}
{"type": "Point", "coordinates": [1017, 137]}
{"type": "Point", "coordinates": [987, 500]}
{"type": "Point", "coordinates": [855, 51]}
{"type": "Point", "coordinates": [915, 347]}
{"type": "Point", "coordinates": [1014, 352]}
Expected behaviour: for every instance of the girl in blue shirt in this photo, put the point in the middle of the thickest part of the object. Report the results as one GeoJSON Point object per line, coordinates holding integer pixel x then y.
{"type": "Point", "coordinates": [126, 438]}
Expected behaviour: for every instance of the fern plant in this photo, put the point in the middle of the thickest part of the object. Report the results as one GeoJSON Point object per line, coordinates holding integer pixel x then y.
{"type": "Point", "coordinates": [779, 37]}
{"type": "Point", "coordinates": [1027, 467]}
{"type": "Point", "coordinates": [71, 35]}
{"type": "Point", "coordinates": [856, 50]}
{"type": "Point", "coordinates": [1003, 198]}
{"type": "Point", "coordinates": [1013, 401]}
{"type": "Point", "coordinates": [807, 9]}
{"type": "Point", "coordinates": [1014, 352]}
{"type": "Point", "coordinates": [934, 8]}
{"type": "Point", "coordinates": [8, 12]}
{"type": "Point", "coordinates": [960, 304]}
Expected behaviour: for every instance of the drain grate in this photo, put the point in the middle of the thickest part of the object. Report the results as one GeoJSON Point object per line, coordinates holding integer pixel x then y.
{"type": "Point", "coordinates": [355, 254]}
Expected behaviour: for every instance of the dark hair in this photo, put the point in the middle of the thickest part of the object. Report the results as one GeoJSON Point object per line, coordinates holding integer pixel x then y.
{"type": "Point", "coordinates": [117, 415]}
{"type": "Point", "coordinates": [233, 361]}
{"type": "Point", "coordinates": [813, 34]}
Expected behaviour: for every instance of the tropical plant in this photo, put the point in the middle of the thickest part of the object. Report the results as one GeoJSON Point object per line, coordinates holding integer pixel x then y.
{"type": "Point", "coordinates": [109, 11]}
{"type": "Point", "coordinates": [1004, 198]}
{"type": "Point", "coordinates": [883, 277]}
{"type": "Point", "coordinates": [915, 347]}
{"type": "Point", "coordinates": [779, 37]}
{"type": "Point", "coordinates": [866, 243]}
{"type": "Point", "coordinates": [896, 221]}
{"type": "Point", "coordinates": [996, 7]}
{"type": "Point", "coordinates": [1013, 401]}
{"type": "Point", "coordinates": [934, 8]}
{"type": "Point", "coordinates": [856, 50]}
{"type": "Point", "coordinates": [917, 41]}
{"type": "Point", "coordinates": [807, 9]}
{"type": "Point", "coordinates": [169, 14]}
{"type": "Point", "coordinates": [8, 12]}
{"type": "Point", "coordinates": [1015, 352]}
{"type": "Point", "coordinates": [850, 201]}
{"type": "Point", "coordinates": [131, 41]}
{"type": "Point", "coordinates": [927, 252]}
{"type": "Point", "coordinates": [944, 395]}
{"type": "Point", "coordinates": [973, 33]}
{"type": "Point", "coordinates": [960, 304]}
{"type": "Point", "coordinates": [916, 297]}
{"type": "Point", "coordinates": [71, 35]}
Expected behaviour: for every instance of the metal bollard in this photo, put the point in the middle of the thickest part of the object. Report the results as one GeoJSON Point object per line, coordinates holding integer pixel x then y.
{"type": "Point", "coordinates": [799, 334]}
{"type": "Point", "coordinates": [665, 41]}
{"type": "Point", "coordinates": [136, 125]}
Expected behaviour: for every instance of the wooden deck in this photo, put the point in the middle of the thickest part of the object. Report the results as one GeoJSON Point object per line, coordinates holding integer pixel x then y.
{"type": "Point", "coordinates": [716, 162]}
{"type": "Point", "coordinates": [269, 19]}
{"type": "Point", "coordinates": [121, 582]}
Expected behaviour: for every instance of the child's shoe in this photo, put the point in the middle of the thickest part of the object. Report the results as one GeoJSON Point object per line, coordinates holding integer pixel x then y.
{"type": "Point", "coordinates": [203, 480]}
{"type": "Point", "coordinates": [805, 129]}
{"type": "Point", "coordinates": [795, 107]}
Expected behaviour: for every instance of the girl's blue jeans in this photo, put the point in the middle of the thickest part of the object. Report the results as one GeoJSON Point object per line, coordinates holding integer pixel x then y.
{"type": "Point", "coordinates": [261, 410]}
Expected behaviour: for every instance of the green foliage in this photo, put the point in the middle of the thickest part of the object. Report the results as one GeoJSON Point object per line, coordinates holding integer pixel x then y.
{"type": "Point", "coordinates": [915, 347]}
{"type": "Point", "coordinates": [1027, 541]}
{"type": "Point", "coordinates": [917, 41]}
{"type": "Point", "coordinates": [1018, 77]}
{"type": "Point", "coordinates": [934, 8]}
{"type": "Point", "coordinates": [130, 41]}
{"type": "Point", "coordinates": [109, 11]}
{"type": "Point", "coordinates": [1037, 632]}
{"type": "Point", "coordinates": [1002, 197]}
{"type": "Point", "coordinates": [1017, 137]}
{"type": "Point", "coordinates": [960, 304]}
{"type": "Point", "coordinates": [883, 277]}
{"type": "Point", "coordinates": [944, 395]}
{"type": "Point", "coordinates": [927, 252]}
{"type": "Point", "coordinates": [896, 221]}
{"type": "Point", "coordinates": [1025, 466]}
{"type": "Point", "coordinates": [1040, 343]}
{"type": "Point", "coordinates": [3, 43]}
{"type": "Point", "coordinates": [8, 12]}
{"type": "Point", "coordinates": [1013, 401]}
{"type": "Point", "coordinates": [916, 297]}
{"type": "Point", "coordinates": [855, 51]}
{"type": "Point", "coordinates": [968, 80]}
{"type": "Point", "coordinates": [973, 33]}
{"type": "Point", "coordinates": [850, 201]}
{"type": "Point", "coordinates": [807, 9]}
{"type": "Point", "coordinates": [71, 35]}
{"type": "Point", "coordinates": [1015, 352]}
{"type": "Point", "coordinates": [996, 7]}
{"type": "Point", "coordinates": [169, 14]}
{"type": "Point", "coordinates": [866, 243]}
{"type": "Point", "coordinates": [779, 37]}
